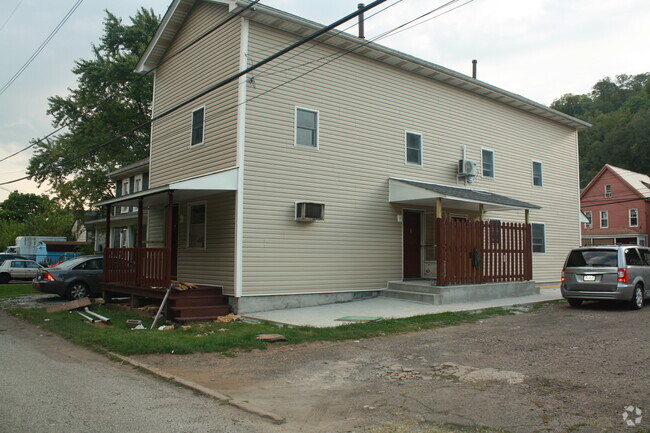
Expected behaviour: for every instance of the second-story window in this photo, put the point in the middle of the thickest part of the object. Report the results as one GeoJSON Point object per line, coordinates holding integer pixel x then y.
{"type": "Point", "coordinates": [137, 187]}
{"type": "Point", "coordinates": [198, 126]}
{"type": "Point", "coordinates": [634, 218]}
{"type": "Point", "coordinates": [588, 223]}
{"type": "Point", "coordinates": [413, 148]}
{"type": "Point", "coordinates": [306, 127]}
{"type": "Point", "coordinates": [537, 173]}
{"type": "Point", "coordinates": [608, 191]}
{"type": "Point", "coordinates": [604, 219]}
{"type": "Point", "coordinates": [487, 162]}
{"type": "Point", "coordinates": [125, 191]}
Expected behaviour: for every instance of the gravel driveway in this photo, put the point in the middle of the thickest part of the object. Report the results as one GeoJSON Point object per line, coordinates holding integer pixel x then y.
{"type": "Point", "coordinates": [556, 369]}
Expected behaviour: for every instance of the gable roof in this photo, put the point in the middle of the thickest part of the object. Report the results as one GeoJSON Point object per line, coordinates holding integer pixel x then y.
{"type": "Point", "coordinates": [640, 182]}
{"type": "Point", "coordinates": [637, 182]}
{"type": "Point", "coordinates": [180, 9]}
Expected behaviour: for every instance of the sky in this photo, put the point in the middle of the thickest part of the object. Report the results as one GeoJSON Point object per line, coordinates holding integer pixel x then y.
{"type": "Point", "coordinates": [540, 49]}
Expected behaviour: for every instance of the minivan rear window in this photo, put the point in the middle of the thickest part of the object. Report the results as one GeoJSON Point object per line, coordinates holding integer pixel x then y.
{"type": "Point", "coordinates": [596, 258]}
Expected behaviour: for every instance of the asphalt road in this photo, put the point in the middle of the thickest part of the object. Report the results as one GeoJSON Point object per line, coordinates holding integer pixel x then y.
{"type": "Point", "coordinates": [50, 385]}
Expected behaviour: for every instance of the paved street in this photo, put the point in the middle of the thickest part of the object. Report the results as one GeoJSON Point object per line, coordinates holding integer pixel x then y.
{"type": "Point", "coordinates": [50, 385]}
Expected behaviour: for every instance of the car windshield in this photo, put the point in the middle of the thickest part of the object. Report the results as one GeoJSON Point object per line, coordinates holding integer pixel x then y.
{"type": "Point", "coordinates": [596, 258]}
{"type": "Point", "coordinates": [69, 264]}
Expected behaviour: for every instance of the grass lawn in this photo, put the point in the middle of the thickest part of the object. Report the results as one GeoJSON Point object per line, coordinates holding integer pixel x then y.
{"type": "Point", "coordinates": [220, 337]}
{"type": "Point", "coordinates": [14, 290]}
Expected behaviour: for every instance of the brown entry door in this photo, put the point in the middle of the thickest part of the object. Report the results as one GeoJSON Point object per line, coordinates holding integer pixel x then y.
{"type": "Point", "coordinates": [412, 236]}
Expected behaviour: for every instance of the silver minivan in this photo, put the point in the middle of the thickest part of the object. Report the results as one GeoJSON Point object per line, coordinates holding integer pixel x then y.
{"type": "Point", "coordinates": [607, 272]}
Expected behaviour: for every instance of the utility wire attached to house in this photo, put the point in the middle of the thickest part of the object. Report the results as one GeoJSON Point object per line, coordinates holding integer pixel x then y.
{"type": "Point", "coordinates": [41, 47]}
{"type": "Point", "coordinates": [220, 84]}
{"type": "Point", "coordinates": [140, 77]}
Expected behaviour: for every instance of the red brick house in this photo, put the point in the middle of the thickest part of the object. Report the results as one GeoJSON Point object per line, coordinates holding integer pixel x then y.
{"type": "Point", "coordinates": [617, 204]}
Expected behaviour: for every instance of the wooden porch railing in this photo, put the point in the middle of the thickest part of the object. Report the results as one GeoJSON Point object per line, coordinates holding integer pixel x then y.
{"type": "Point", "coordinates": [474, 252]}
{"type": "Point", "coordinates": [138, 267]}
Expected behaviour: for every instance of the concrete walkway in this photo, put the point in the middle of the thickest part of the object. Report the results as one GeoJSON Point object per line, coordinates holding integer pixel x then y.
{"type": "Point", "coordinates": [389, 308]}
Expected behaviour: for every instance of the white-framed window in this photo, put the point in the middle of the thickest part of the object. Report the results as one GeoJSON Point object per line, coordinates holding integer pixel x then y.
{"type": "Point", "coordinates": [608, 191]}
{"type": "Point", "coordinates": [537, 174]}
{"type": "Point", "coordinates": [198, 126]}
{"type": "Point", "coordinates": [137, 187]}
{"type": "Point", "coordinates": [604, 219]}
{"type": "Point", "coordinates": [126, 185]}
{"type": "Point", "coordinates": [196, 225]}
{"type": "Point", "coordinates": [306, 133]}
{"type": "Point", "coordinates": [487, 163]}
{"type": "Point", "coordinates": [413, 148]}
{"type": "Point", "coordinates": [539, 237]}
{"type": "Point", "coordinates": [588, 216]}
{"type": "Point", "coordinates": [634, 217]}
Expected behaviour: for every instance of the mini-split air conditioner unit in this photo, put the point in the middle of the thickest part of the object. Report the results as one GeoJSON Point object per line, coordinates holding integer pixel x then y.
{"type": "Point", "coordinates": [466, 168]}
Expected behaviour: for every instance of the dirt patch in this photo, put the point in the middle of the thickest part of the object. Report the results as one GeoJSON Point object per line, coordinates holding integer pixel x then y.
{"type": "Point", "coordinates": [554, 370]}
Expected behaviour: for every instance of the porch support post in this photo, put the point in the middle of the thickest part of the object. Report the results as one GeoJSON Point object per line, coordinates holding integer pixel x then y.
{"type": "Point", "coordinates": [480, 212]}
{"type": "Point", "coordinates": [527, 216]}
{"type": "Point", "coordinates": [140, 221]}
{"type": "Point", "coordinates": [439, 207]}
{"type": "Point", "coordinates": [109, 209]}
{"type": "Point", "coordinates": [168, 237]}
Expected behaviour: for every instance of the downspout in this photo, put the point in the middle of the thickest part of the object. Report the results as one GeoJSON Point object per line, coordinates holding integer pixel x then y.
{"type": "Point", "coordinates": [241, 141]}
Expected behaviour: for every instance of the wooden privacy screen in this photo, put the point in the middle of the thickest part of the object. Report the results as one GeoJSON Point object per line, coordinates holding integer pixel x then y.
{"type": "Point", "coordinates": [474, 252]}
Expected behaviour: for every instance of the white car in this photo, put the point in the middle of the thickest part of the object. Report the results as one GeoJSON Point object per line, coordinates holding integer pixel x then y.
{"type": "Point", "coordinates": [18, 270]}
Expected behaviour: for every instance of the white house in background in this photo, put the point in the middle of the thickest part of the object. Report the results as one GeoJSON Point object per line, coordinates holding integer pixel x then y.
{"type": "Point", "coordinates": [325, 175]}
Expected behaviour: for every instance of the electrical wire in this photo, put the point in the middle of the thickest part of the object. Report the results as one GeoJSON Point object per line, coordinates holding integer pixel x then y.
{"type": "Point", "coordinates": [10, 15]}
{"type": "Point", "coordinates": [248, 70]}
{"type": "Point", "coordinates": [140, 77]}
{"type": "Point", "coordinates": [41, 47]}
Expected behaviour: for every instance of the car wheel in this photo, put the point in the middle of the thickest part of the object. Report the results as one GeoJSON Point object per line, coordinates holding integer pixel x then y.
{"type": "Point", "coordinates": [5, 278]}
{"type": "Point", "coordinates": [575, 302]}
{"type": "Point", "coordinates": [637, 298]}
{"type": "Point", "coordinates": [77, 290]}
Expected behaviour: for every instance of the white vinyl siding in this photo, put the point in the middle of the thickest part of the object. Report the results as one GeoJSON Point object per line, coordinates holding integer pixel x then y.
{"type": "Point", "coordinates": [487, 163]}
{"type": "Point", "coordinates": [413, 148]}
{"type": "Point", "coordinates": [362, 124]}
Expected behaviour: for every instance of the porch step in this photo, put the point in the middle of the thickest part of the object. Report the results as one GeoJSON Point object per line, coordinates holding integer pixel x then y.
{"type": "Point", "coordinates": [200, 300]}
{"type": "Point", "coordinates": [421, 286]}
{"type": "Point", "coordinates": [208, 312]}
{"type": "Point", "coordinates": [413, 295]}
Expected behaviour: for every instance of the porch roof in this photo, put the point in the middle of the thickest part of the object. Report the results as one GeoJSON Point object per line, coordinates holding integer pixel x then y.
{"type": "Point", "coordinates": [187, 189]}
{"type": "Point", "coordinates": [421, 193]}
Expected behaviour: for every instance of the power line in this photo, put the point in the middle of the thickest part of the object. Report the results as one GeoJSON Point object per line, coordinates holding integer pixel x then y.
{"type": "Point", "coordinates": [255, 66]}
{"type": "Point", "coordinates": [220, 84]}
{"type": "Point", "coordinates": [41, 47]}
{"type": "Point", "coordinates": [11, 15]}
{"type": "Point", "coordinates": [139, 77]}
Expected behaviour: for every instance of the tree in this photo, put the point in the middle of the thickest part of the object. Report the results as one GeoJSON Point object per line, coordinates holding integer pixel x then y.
{"type": "Point", "coordinates": [20, 207]}
{"type": "Point", "coordinates": [109, 100]}
{"type": "Point", "coordinates": [619, 111]}
{"type": "Point", "coordinates": [32, 215]}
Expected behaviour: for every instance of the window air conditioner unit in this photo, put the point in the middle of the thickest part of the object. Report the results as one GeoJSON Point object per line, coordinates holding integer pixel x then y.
{"type": "Point", "coordinates": [466, 167]}
{"type": "Point", "coordinates": [309, 211]}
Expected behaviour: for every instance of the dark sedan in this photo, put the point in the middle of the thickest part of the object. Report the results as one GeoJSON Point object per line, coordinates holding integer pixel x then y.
{"type": "Point", "coordinates": [73, 279]}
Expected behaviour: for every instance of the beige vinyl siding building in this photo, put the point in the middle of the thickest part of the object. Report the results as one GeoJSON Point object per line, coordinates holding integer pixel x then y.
{"type": "Point", "coordinates": [364, 109]}
{"type": "Point", "coordinates": [317, 126]}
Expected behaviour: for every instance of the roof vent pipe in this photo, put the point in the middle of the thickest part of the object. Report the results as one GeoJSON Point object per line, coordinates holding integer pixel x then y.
{"type": "Point", "coordinates": [474, 62]}
{"type": "Point", "coordinates": [362, 32]}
